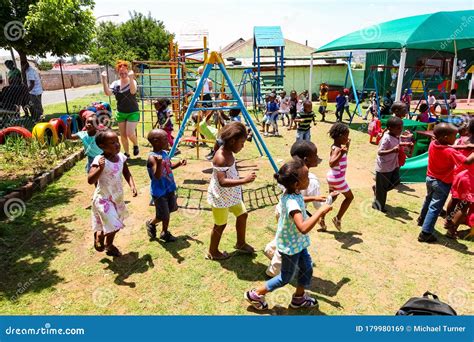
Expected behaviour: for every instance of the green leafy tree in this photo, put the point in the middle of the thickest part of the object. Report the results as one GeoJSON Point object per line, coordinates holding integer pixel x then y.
{"type": "Point", "coordinates": [139, 38]}
{"type": "Point", "coordinates": [38, 27]}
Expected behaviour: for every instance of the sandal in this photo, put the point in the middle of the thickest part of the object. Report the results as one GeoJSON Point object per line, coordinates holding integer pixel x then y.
{"type": "Point", "coordinates": [322, 223]}
{"type": "Point", "coordinates": [247, 249]}
{"type": "Point", "coordinates": [98, 243]}
{"type": "Point", "coordinates": [113, 251]}
{"type": "Point", "coordinates": [223, 256]}
{"type": "Point", "coordinates": [337, 223]}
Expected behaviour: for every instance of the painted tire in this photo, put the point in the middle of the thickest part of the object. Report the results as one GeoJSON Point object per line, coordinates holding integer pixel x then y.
{"type": "Point", "coordinates": [60, 127]}
{"type": "Point", "coordinates": [14, 130]}
{"type": "Point", "coordinates": [45, 133]}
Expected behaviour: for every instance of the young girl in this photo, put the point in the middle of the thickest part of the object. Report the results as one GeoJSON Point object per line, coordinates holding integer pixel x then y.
{"type": "Point", "coordinates": [164, 115]}
{"type": "Point", "coordinates": [293, 109]}
{"type": "Point", "coordinates": [424, 115]}
{"type": "Point", "coordinates": [108, 206]}
{"type": "Point", "coordinates": [292, 239]}
{"type": "Point", "coordinates": [336, 177]}
{"type": "Point", "coordinates": [284, 108]}
{"type": "Point", "coordinates": [225, 190]}
{"type": "Point", "coordinates": [462, 190]}
{"type": "Point", "coordinates": [323, 102]}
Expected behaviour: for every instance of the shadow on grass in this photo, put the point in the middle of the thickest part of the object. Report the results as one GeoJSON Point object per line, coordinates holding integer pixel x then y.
{"type": "Point", "coordinates": [244, 266]}
{"type": "Point", "coordinates": [399, 214]}
{"type": "Point", "coordinates": [454, 245]}
{"type": "Point", "coordinates": [347, 239]}
{"type": "Point", "coordinates": [31, 242]}
{"type": "Point", "coordinates": [182, 242]}
{"type": "Point", "coordinates": [126, 265]}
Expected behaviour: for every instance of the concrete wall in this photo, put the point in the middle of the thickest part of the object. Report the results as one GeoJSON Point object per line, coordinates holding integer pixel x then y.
{"type": "Point", "coordinates": [51, 80]}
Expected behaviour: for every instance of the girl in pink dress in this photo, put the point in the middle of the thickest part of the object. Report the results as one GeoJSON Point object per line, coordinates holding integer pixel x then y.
{"type": "Point", "coordinates": [336, 176]}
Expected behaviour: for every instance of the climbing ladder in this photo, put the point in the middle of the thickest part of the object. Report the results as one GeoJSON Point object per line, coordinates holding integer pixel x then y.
{"type": "Point", "coordinates": [215, 59]}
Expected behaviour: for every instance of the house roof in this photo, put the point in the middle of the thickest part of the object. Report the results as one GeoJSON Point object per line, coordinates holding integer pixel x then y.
{"type": "Point", "coordinates": [268, 36]}
{"type": "Point", "coordinates": [232, 45]}
{"type": "Point", "coordinates": [245, 50]}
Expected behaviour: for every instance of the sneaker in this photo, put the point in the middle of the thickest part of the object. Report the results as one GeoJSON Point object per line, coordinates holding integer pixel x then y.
{"type": "Point", "coordinates": [376, 206]}
{"type": "Point", "coordinates": [167, 237]}
{"type": "Point", "coordinates": [151, 229]}
{"type": "Point", "coordinates": [304, 301]}
{"type": "Point", "coordinates": [426, 237]}
{"type": "Point", "coordinates": [258, 302]}
{"type": "Point", "coordinates": [265, 134]}
{"type": "Point", "coordinates": [136, 151]}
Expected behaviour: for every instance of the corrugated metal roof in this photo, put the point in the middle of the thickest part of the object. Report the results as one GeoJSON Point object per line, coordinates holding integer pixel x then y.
{"type": "Point", "coordinates": [268, 36]}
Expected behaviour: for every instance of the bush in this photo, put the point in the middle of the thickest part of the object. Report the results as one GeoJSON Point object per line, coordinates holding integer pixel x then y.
{"type": "Point", "coordinates": [45, 65]}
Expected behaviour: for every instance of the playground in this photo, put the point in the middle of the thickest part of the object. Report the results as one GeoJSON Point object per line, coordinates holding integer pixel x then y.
{"type": "Point", "coordinates": [369, 267]}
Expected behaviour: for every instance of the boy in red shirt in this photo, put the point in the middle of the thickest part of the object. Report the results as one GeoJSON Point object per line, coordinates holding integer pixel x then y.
{"type": "Point", "coordinates": [442, 161]}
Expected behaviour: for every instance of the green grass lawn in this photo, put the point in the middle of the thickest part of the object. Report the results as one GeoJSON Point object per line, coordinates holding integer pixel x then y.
{"type": "Point", "coordinates": [372, 266]}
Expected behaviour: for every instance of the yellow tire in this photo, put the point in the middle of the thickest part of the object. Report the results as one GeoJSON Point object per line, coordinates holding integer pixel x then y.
{"type": "Point", "coordinates": [45, 133]}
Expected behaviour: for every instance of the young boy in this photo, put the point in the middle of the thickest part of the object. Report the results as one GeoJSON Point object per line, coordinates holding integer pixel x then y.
{"type": "Point", "coordinates": [271, 115]}
{"type": "Point", "coordinates": [304, 119]}
{"type": "Point", "coordinates": [284, 108]}
{"type": "Point", "coordinates": [387, 175]}
{"type": "Point", "coordinates": [162, 187]}
{"type": "Point", "coordinates": [340, 103]}
{"type": "Point", "coordinates": [442, 162]}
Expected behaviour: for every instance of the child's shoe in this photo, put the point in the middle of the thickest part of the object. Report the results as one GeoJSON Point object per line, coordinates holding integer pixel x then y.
{"type": "Point", "coordinates": [322, 223]}
{"type": "Point", "coordinates": [426, 237]}
{"type": "Point", "coordinates": [337, 223]}
{"type": "Point", "coordinates": [304, 301]}
{"type": "Point", "coordinates": [151, 229]}
{"type": "Point", "coordinates": [258, 302]}
{"type": "Point", "coordinates": [167, 237]}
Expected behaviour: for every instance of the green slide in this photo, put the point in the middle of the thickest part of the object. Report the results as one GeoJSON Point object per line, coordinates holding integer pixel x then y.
{"type": "Point", "coordinates": [414, 170]}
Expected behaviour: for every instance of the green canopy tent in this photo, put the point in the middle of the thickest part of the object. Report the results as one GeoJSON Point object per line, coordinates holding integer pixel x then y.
{"type": "Point", "coordinates": [440, 31]}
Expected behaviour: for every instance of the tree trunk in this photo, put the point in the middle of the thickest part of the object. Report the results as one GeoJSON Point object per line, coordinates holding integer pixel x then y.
{"type": "Point", "coordinates": [23, 60]}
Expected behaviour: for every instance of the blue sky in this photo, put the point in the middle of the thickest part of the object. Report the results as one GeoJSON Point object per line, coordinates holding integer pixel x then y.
{"type": "Point", "coordinates": [317, 21]}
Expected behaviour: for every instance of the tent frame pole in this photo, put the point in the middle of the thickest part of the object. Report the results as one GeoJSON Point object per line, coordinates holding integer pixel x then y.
{"type": "Point", "coordinates": [401, 72]}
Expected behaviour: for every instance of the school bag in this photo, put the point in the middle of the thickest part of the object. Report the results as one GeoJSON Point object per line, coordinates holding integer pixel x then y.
{"type": "Point", "coordinates": [426, 306]}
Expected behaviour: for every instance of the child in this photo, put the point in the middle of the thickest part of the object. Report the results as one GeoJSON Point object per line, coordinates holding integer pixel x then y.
{"type": "Point", "coordinates": [406, 99]}
{"type": "Point", "coordinates": [387, 103]}
{"type": "Point", "coordinates": [292, 239]}
{"type": "Point", "coordinates": [432, 102]}
{"type": "Point", "coordinates": [162, 186]}
{"type": "Point", "coordinates": [387, 168]}
{"type": "Point", "coordinates": [323, 102]}
{"type": "Point", "coordinates": [271, 116]}
{"type": "Point", "coordinates": [399, 109]}
{"type": "Point", "coordinates": [108, 206]}
{"type": "Point", "coordinates": [424, 115]}
{"type": "Point", "coordinates": [371, 109]}
{"type": "Point", "coordinates": [442, 162]}
{"type": "Point", "coordinates": [308, 153]}
{"type": "Point", "coordinates": [164, 115]}
{"type": "Point", "coordinates": [225, 190]}
{"type": "Point", "coordinates": [293, 109]}
{"type": "Point", "coordinates": [87, 137]}
{"type": "Point", "coordinates": [336, 177]}
{"type": "Point", "coordinates": [340, 103]}
{"type": "Point", "coordinates": [284, 108]}
{"type": "Point", "coordinates": [462, 190]}
{"type": "Point", "coordinates": [347, 103]}
{"type": "Point", "coordinates": [304, 120]}
{"type": "Point", "coordinates": [452, 99]}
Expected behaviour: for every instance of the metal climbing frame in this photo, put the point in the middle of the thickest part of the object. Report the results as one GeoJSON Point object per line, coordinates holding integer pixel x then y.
{"type": "Point", "coordinates": [214, 59]}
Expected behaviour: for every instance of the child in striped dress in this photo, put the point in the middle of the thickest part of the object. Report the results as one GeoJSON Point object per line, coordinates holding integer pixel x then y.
{"type": "Point", "coordinates": [336, 176]}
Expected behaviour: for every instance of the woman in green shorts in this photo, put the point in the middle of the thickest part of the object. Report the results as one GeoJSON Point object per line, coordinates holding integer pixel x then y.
{"type": "Point", "coordinates": [128, 113]}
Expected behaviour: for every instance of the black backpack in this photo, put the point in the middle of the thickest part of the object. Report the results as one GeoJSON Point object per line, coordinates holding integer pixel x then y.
{"type": "Point", "coordinates": [426, 306]}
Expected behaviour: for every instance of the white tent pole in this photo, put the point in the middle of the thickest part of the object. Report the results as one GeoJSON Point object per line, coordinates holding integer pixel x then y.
{"type": "Point", "coordinates": [455, 67]}
{"type": "Point", "coordinates": [470, 89]}
{"type": "Point", "coordinates": [401, 73]}
{"type": "Point", "coordinates": [310, 86]}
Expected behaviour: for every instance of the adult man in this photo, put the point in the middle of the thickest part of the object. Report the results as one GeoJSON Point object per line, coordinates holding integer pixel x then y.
{"type": "Point", "coordinates": [13, 74]}
{"type": "Point", "coordinates": [35, 89]}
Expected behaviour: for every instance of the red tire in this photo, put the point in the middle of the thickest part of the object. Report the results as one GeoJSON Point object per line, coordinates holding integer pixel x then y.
{"type": "Point", "coordinates": [15, 130]}
{"type": "Point", "coordinates": [60, 127]}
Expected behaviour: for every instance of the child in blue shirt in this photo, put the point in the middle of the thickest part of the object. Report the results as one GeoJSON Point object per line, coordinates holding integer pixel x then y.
{"type": "Point", "coordinates": [340, 104]}
{"type": "Point", "coordinates": [87, 137]}
{"type": "Point", "coordinates": [162, 186]}
{"type": "Point", "coordinates": [292, 239]}
{"type": "Point", "coordinates": [271, 115]}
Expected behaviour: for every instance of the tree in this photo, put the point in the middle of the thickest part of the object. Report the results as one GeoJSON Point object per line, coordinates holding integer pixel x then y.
{"type": "Point", "coordinates": [139, 38]}
{"type": "Point", "coordinates": [38, 27]}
